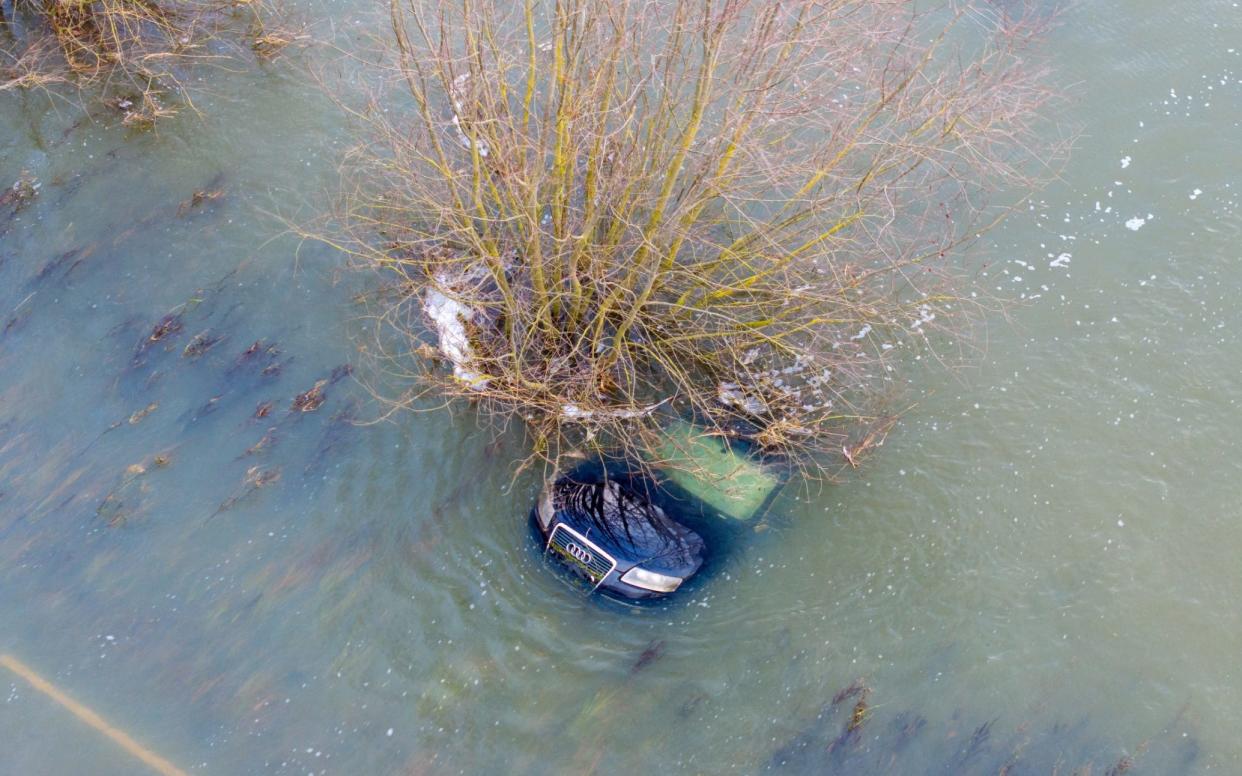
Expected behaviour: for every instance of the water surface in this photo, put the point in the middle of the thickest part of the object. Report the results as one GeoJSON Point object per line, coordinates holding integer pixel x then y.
{"type": "Point", "coordinates": [1040, 567]}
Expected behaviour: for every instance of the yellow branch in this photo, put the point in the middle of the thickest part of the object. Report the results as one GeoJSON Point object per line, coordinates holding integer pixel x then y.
{"type": "Point", "coordinates": [117, 736]}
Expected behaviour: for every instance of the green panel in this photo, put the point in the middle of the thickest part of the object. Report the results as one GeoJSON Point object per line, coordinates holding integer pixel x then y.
{"type": "Point", "coordinates": [709, 469]}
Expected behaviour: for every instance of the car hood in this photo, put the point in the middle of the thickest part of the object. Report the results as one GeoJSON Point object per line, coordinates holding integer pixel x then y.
{"type": "Point", "coordinates": [627, 526]}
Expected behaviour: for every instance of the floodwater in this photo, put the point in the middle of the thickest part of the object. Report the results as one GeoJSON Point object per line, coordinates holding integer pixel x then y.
{"type": "Point", "coordinates": [1040, 569]}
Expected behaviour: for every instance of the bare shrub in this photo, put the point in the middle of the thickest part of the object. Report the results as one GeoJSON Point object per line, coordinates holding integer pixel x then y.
{"type": "Point", "coordinates": [754, 212]}
{"type": "Point", "coordinates": [137, 54]}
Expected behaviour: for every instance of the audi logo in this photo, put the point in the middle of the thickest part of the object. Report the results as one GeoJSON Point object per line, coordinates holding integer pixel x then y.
{"type": "Point", "coordinates": [577, 552]}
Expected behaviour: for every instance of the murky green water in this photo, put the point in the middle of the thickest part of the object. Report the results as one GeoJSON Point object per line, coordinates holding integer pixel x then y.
{"type": "Point", "coordinates": [1048, 543]}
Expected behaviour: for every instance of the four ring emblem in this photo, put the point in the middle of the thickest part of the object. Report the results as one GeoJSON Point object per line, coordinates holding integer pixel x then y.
{"type": "Point", "coordinates": [577, 552]}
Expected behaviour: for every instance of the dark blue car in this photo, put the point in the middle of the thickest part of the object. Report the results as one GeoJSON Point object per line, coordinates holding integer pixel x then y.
{"type": "Point", "coordinates": [623, 527]}
{"type": "Point", "coordinates": [609, 532]}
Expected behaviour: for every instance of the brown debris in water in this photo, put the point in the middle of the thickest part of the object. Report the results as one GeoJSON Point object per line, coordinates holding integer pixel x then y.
{"type": "Point", "coordinates": [21, 193]}
{"type": "Point", "coordinates": [854, 688]}
{"type": "Point", "coordinates": [140, 415]}
{"type": "Point", "coordinates": [311, 400]}
{"type": "Point", "coordinates": [256, 477]}
{"type": "Point", "coordinates": [17, 197]}
{"type": "Point", "coordinates": [198, 199]}
{"type": "Point", "coordinates": [200, 344]}
{"type": "Point", "coordinates": [860, 713]}
{"type": "Point", "coordinates": [851, 734]}
{"type": "Point", "coordinates": [125, 500]}
{"type": "Point", "coordinates": [842, 738]}
{"type": "Point", "coordinates": [1127, 762]}
{"type": "Point", "coordinates": [250, 352]}
{"type": "Point", "coordinates": [258, 349]}
{"type": "Point", "coordinates": [259, 477]}
{"type": "Point", "coordinates": [168, 325]}
{"type": "Point", "coordinates": [262, 445]}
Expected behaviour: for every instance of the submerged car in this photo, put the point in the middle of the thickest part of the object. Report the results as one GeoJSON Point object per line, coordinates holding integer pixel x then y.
{"type": "Point", "coordinates": [616, 538]}
{"type": "Point", "coordinates": [607, 525]}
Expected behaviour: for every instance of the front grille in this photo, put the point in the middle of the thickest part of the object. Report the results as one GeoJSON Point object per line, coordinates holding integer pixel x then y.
{"type": "Point", "coordinates": [581, 553]}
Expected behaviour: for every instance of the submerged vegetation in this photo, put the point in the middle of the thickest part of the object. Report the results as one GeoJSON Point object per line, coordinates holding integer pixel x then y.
{"type": "Point", "coordinates": [137, 56]}
{"type": "Point", "coordinates": [843, 738]}
{"type": "Point", "coordinates": [16, 198]}
{"type": "Point", "coordinates": [748, 211]}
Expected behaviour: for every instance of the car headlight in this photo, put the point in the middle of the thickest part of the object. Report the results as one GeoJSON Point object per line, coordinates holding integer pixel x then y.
{"type": "Point", "coordinates": [545, 510]}
{"type": "Point", "coordinates": [650, 580]}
